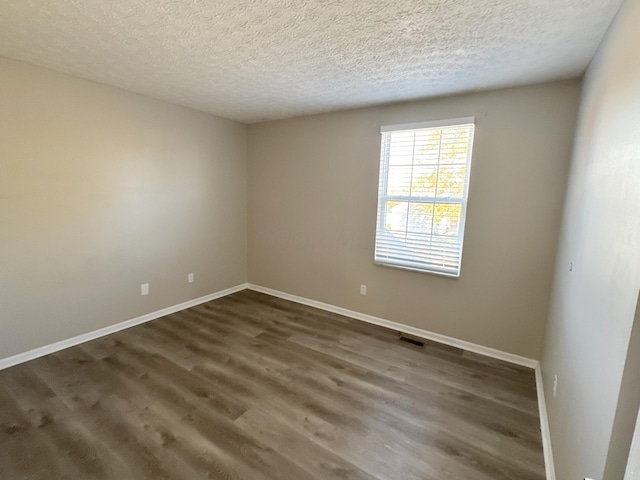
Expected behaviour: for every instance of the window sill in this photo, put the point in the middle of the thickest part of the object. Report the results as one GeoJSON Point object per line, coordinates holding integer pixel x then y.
{"type": "Point", "coordinates": [417, 270]}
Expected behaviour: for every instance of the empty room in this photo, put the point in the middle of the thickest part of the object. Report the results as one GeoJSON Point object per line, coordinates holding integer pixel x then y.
{"type": "Point", "coordinates": [284, 239]}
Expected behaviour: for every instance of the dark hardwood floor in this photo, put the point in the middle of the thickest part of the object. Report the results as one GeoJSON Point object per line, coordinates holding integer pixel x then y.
{"type": "Point", "coordinates": [254, 387]}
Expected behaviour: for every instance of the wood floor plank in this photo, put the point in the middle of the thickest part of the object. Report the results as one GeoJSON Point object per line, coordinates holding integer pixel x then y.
{"type": "Point", "coordinates": [309, 455]}
{"type": "Point", "coordinates": [251, 386]}
{"type": "Point", "coordinates": [410, 421]}
{"type": "Point", "coordinates": [277, 388]}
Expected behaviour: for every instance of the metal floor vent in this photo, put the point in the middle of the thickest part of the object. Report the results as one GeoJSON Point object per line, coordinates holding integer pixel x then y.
{"type": "Point", "coordinates": [412, 341]}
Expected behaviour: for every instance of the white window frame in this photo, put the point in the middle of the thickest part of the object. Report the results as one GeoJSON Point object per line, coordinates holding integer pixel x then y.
{"type": "Point", "coordinates": [383, 197]}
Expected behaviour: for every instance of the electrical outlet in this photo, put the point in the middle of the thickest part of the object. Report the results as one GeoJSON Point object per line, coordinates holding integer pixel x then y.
{"type": "Point", "coordinates": [363, 289]}
{"type": "Point", "coordinates": [571, 266]}
{"type": "Point", "coordinates": [144, 289]}
{"type": "Point", "coordinates": [555, 385]}
{"type": "Point", "coordinates": [190, 278]}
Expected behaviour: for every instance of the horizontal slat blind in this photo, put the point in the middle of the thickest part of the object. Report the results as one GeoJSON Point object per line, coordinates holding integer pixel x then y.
{"type": "Point", "coordinates": [422, 196]}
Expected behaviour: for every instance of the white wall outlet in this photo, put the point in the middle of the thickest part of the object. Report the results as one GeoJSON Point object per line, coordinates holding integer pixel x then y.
{"type": "Point", "coordinates": [144, 289]}
{"type": "Point", "coordinates": [190, 278]}
{"type": "Point", "coordinates": [571, 266]}
{"type": "Point", "coordinates": [363, 289]}
{"type": "Point", "coordinates": [555, 385]}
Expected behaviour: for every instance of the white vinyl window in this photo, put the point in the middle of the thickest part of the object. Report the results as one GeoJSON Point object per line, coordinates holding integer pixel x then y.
{"type": "Point", "coordinates": [422, 195]}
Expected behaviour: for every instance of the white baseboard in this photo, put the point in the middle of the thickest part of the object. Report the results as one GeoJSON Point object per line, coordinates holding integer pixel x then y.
{"type": "Point", "coordinates": [436, 337]}
{"type": "Point", "coordinates": [61, 345]}
{"type": "Point", "coordinates": [544, 427]}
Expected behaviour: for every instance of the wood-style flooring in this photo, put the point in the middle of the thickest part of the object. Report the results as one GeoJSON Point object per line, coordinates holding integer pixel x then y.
{"type": "Point", "coordinates": [254, 387]}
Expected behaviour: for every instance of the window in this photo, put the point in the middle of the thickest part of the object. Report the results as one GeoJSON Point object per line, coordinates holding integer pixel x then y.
{"type": "Point", "coordinates": [422, 195]}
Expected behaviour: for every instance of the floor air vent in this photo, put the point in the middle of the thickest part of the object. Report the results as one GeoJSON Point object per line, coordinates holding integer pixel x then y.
{"type": "Point", "coordinates": [412, 341]}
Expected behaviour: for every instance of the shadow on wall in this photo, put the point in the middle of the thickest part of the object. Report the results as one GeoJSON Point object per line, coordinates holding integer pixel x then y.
{"type": "Point", "coordinates": [628, 406]}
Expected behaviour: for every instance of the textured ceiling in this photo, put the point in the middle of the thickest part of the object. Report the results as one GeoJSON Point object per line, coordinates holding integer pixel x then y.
{"type": "Point", "coordinates": [252, 60]}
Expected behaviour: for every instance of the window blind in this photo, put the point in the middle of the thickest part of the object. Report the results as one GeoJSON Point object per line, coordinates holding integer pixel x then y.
{"type": "Point", "coordinates": [422, 195]}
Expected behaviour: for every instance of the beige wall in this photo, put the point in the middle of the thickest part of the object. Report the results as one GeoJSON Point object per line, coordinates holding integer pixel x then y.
{"type": "Point", "coordinates": [312, 213]}
{"type": "Point", "coordinates": [593, 307]}
{"type": "Point", "coordinates": [102, 190]}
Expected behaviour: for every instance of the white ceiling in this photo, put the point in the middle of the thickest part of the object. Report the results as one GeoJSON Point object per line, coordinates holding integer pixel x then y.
{"type": "Point", "coordinates": [252, 60]}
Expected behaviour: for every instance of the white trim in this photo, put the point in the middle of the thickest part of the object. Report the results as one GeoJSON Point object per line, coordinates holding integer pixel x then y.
{"type": "Point", "coordinates": [453, 122]}
{"type": "Point", "coordinates": [61, 345]}
{"type": "Point", "coordinates": [544, 427]}
{"type": "Point", "coordinates": [436, 337]}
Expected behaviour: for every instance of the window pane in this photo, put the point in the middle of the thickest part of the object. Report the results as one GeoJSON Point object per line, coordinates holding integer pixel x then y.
{"type": "Point", "coordinates": [396, 216]}
{"type": "Point", "coordinates": [446, 219]}
{"type": "Point", "coordinates": [424, 181]}
{"type": "Point", "coordinates": [420, 218]}
{"type": "Point", "coordinates": [399, 182]}
{"type": "Point", "coordinates": [427, 148]}
{"type": "Point", "coordinates": [401, 148]}
{"type": "Point", "coordinates": [451, 181]}
{"type": "Point", "coordinates": [455, 146]}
